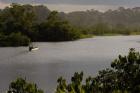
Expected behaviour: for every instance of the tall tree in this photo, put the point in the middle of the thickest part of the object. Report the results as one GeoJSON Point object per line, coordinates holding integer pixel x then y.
{"type": "Point", "coordinates": [17, 18]}
{"type": "Point", "coordinates": [57, 29]}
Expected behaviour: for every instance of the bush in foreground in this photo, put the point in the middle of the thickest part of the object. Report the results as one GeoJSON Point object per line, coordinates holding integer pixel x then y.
{"type": "Point", "coordinates": [20, 85]}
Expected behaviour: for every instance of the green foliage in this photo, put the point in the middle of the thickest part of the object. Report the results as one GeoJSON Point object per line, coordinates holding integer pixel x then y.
{"type": "Point", "coordinates": [17, 18]}
{"type": "Point", "coordinates": [14, 39]}
{"type": "Point", "coordinates": [61, 88]}
{"type": "Point", "coordinates": [128, 72]}
{"type": "Point", "coordinates": [20, 85]}
{"type": "Point", "coordinates": [74, 87]}
{"type": "Point", "coordinates": [23, 18]}
{"type": "Point", "coordinates": [106, 29]}
{"type": "Point", "coordinates": [56, 29]}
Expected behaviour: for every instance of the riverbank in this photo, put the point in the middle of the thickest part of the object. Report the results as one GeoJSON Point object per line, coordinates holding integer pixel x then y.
{"type": "Point", "coordinates": [17, 40]}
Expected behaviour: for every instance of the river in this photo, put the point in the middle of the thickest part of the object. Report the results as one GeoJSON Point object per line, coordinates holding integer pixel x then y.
{"type": "Point", "coordinates": [53, 60]}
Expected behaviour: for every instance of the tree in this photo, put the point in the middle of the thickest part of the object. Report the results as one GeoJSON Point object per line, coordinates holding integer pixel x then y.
{"type": "Point", "coordinates": [20, 85]}
{"type": "Point", "coordinates": [56, 29]}
{"type": "Point", "coordinates": [128, 71]}
{"type": "Point", "coordinates": [61, 88]}
{"type": "Point", "coordinates": [74, 87]}
{"type": "Point", "coordinates": [17, 18]}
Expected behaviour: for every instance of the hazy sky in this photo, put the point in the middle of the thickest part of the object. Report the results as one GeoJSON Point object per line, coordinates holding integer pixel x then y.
{"type": "Point", "coordinates": [71, 5]}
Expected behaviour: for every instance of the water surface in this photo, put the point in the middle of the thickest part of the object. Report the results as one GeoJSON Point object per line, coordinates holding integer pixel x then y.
{"type": "Point", "coordinates": [52, 60]}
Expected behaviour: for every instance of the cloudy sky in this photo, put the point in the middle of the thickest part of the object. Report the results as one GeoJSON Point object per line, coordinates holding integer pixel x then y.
{"type": "Point", "coordinates": [74, 5]}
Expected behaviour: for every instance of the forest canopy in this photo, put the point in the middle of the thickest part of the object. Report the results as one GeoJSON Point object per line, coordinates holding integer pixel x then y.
{"type": "Point", "coordinates": [23, 19]}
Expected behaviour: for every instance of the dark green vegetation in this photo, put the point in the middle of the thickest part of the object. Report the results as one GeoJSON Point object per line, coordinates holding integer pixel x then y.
{"type": "Point", "coordinates": [14, 39]}
{"type": "Point", "coordinates": [25, 20]}
{"type": "Point", "coordinates": [56, 29]}
{"type": "Point", "coordinates": [122, 77]}
{"type": "Point", "coordinates": [38, 23]}
{"type": "Point", "coordinates": [22, 86]}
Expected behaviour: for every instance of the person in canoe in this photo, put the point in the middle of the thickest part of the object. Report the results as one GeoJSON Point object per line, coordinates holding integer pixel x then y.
{"type": "Point", "coordinates": [31, 47]}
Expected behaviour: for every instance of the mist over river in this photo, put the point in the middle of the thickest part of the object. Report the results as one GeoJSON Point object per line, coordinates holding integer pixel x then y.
{"type": "Point", "coordinates": [53, 60]}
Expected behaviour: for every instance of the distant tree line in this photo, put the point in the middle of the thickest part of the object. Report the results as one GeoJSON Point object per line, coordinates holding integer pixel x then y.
{"type": "Point", "coordinates": [101, 29]}
{"type": "Point", "coordinates": [120, 19]}
{"type": "Point", "coordinates": [122, 77]}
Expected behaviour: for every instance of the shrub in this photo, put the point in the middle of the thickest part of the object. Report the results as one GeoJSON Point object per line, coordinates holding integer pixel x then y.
{"type": "Point", "coordinates": [14, 39]}
{"type": "Point", "coordinates": [20, 85]}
